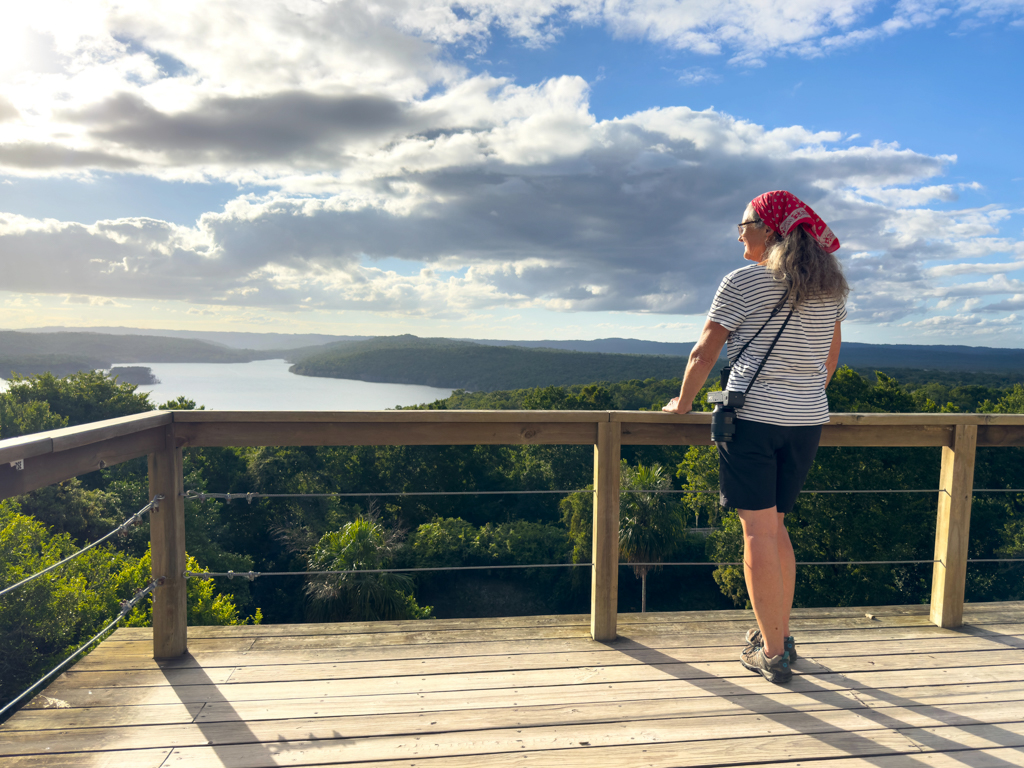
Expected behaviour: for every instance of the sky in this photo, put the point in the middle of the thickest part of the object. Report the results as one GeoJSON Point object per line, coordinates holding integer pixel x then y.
{"type": "Point", "coordinates": [510, 169]}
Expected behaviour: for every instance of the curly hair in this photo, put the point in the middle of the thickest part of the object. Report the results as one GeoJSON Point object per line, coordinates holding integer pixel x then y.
{"type": "Point", "coordinates": [800, 260]}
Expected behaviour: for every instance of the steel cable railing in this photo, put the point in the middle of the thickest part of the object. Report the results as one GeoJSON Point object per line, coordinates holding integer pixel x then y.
{"type": "Point", "coordinates": [154, 504]}
{"type": "Point", "coordinates": [126, 608]}
{"type": "Point", "coordinates": [193, 495]}
{"type": "Point", "coordinates": [253, 495]}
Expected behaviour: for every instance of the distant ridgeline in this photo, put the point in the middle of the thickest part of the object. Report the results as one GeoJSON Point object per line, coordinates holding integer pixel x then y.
{"type": "Point", "coordinates": [67, 352]}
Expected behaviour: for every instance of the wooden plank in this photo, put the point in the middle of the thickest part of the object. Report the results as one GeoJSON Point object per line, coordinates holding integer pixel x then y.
{"type": "Point", "coordinates": [939, 695]}
{"type": "Point", "coordinates": [833, 434]}
{"type": "Point", "coordinates": [668, 433]}
{"type": "Point", "coordinates": [1005, 436]}
{"type": "Point", "coordinates": [167, 539]}
{"type": "Point", "coordinates": [533, 432]}
{"type": "Point", "coordinates": [668, 756]}
{"type": "Point", "coordinates": [100, 431]}
{"type": "Point", "coordinates": [526, 684]}
{"type": "Point", "coordinates": [390, 417]}
{"type": "Point", "coordinates": [867, 419]}
{"type": "Point", "coordinates": [712, 647]}
{"type": "Point", "coordinates": [67, 689]}
{"type": "Point", "coordinates": [604, 588]}
{"type": "Point", "coordinates": [49, 468]}
{"type": "Point", "coordinates": [910, 435]}
{"type": "Point", "coordinates": [688, 697]}
{"type": "Point", "coordinates": [737, 629]}
{"type": "Point", "coordinates": [977, 736]}
{"type": "Point", "coordinates": [144, 648]}
{"type": "Point", "coordinates": [563, 748]}
{"type": "Point", "coordinates": [355, 720]}
{"type": "Point", "coordinates": [25, 447]}
{"type": "Point", "coordinates": [379, 627]}
{"type": "Point", "coordinates": [950, 675]}
{"type": "Point", "coordinates": [135, 758]}
{"type": "Point", "coordinates": [574, 755]}
{"type": "Point", "coordinates": [976, 758]}
{"type": "Point", "coordinates": [57, 440]}
{"type": "Point", "coordinates": [952, 528]}
{"type": "Point", "coordinates": [92, 717]}
{"type": "Point", "coordinates": [731, 721]}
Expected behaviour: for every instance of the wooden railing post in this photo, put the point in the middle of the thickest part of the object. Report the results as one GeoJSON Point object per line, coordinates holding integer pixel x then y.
{"type": "Point", "coordinates": [604, 589]}
{"type": "Point", "coordinates": [167, 538]}
{"type": "Point", "coordinates": [952, 527]}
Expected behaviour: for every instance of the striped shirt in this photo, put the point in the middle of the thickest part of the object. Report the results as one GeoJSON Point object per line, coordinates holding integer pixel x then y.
{"type": "Point", "coordinates": [790, 390]}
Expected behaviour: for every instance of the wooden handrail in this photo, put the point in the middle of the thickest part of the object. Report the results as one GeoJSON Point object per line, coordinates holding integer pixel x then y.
{"type": "Point", "coordinates": [34, 461]}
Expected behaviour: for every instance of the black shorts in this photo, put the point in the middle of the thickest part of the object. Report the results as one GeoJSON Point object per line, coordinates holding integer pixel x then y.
{"type": "Point", "coordinates": [765, 465]}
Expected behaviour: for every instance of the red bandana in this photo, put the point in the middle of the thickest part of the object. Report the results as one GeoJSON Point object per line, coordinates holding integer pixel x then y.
{"type": "Point", "coordinates": [783, 211]}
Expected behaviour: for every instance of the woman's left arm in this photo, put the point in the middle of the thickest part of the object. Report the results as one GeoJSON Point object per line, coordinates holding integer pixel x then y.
{"type": "Point", "coordinates": [832, 361]}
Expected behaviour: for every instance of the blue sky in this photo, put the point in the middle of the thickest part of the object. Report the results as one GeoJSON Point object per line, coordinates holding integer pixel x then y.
{"type": "Point", "coordinates": [494, 170]}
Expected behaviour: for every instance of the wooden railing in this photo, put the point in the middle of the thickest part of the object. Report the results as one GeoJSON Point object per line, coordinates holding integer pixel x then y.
{"type": "Point", "coordinates": [34, 461]}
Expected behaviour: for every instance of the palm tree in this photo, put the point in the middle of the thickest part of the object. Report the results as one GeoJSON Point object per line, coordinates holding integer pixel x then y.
{"type": "Point", "coordinates": [650, 524]}
{"type": "Point", "coordinates": [362, 545]}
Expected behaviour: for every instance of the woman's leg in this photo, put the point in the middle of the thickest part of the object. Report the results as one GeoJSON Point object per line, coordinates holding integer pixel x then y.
{"type": "Point", "coordinates": [787, 564]}
{"type": "Point", "coordinates": [762, 570]}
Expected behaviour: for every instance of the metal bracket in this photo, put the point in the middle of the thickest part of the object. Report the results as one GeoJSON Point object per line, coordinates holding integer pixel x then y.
{"type": "Point", "coordinates": [18, 464]}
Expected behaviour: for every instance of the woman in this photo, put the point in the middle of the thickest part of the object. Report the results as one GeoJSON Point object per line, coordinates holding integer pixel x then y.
{"type": "Point", "coordinates": [763, 469]}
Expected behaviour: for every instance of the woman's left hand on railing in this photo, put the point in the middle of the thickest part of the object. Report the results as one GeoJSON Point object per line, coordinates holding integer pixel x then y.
{"type": "Point", "coordinates": [675, 406]}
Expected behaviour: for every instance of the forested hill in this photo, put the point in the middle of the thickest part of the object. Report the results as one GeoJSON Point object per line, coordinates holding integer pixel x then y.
{"type": "Point", "coordinates": [63, 353]}
{"type": "Point", "coordinates": [942, 357]}
{"type": "Point", "coordinates": [478, 367]}
{"type": "Point", "coordinates": [857, 355]}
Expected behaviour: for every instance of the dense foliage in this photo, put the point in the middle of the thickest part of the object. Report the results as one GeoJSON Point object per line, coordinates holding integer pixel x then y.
{"type": "Point", "coordinates": [48, 618]}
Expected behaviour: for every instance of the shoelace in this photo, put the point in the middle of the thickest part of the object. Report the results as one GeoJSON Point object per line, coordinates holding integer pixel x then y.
{"type": "Point", "coordinates": [754, 639]}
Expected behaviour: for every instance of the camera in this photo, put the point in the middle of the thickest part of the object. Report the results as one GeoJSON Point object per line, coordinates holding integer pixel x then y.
{"type": "Point", "coordinates": [723, 418]}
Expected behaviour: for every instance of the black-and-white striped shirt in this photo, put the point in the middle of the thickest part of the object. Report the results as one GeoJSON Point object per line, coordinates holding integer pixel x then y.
{"type": "Point", "coordinates": [790, 390]}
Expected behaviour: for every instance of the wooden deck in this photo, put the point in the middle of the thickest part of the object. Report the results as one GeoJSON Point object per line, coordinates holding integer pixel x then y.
{"type": "Point", "coordinates": [886, 692]}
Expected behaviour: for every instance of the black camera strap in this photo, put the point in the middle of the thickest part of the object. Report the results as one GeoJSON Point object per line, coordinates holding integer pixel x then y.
{"type": "Point", "coordinates": [727, 370]}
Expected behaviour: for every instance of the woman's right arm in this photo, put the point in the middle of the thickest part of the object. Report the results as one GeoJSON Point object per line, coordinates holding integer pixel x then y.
{"type": "Point", "coordinates": [703, 357]}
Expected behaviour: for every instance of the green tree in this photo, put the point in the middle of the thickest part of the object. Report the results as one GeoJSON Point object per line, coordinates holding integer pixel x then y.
{"type": "Point", "coordinates": [650, 523]}
{"type": "Point", "coordinates": [80, 398]}
{"type": "Point", "coordinates": [362, 545]}
{"type": "Point", "coordinates": [45, 620]}
{"type": "Point", "coordinates": [206, 606]}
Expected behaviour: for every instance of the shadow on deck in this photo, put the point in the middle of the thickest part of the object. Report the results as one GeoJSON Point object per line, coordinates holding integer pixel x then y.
{"type": "Point", "coordinates": [537, 691]}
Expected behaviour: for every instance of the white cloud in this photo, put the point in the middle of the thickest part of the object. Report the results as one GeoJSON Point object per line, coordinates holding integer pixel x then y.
{"type": "Point", "coordinates": [530, 203]}
{"type": "Point", "coordinates": [949, 270]}
{"type": "Point", "coordinates": [378, 147]}
{"type": "Point", "coordinates": [965, 326]}
{"type": "Point", "coordinates": [697, 75]}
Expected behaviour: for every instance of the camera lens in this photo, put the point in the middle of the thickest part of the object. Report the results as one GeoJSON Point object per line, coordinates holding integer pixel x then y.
{"type": "Point", "coordinates": [723, 424]}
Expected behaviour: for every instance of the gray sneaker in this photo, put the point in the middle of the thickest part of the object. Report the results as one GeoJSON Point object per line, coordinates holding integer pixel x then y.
{"type": "Point", "coordinates": [774, 670]}
{"type": "Point", "coordinates": [788, 643]}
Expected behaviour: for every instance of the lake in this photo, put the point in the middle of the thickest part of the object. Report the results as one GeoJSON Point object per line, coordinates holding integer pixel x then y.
{"type": "Point", "coordinates": [266, 385]}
